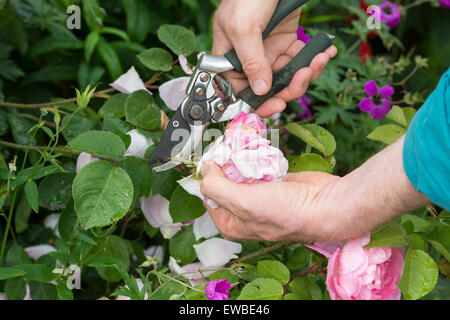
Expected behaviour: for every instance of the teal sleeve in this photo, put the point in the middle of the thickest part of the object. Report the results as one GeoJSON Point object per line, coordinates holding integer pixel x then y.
{"type": "Point", "coordinates": [426, 151]}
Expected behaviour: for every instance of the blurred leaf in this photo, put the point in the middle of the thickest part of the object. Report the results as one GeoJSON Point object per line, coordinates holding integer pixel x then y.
{"type": "Point", "coordinates": [110, 58]}
{"type": "Point", "coordinates": [4, 124]}
{"type": "Point", "coordinates": [22, 215]}
{"type": "Point", "coordinates": [32, 195]}
{"type": "Point", "coordinates": [314, 135]}
{"type": "Point", "coordinates": [140, 174]}
{"type": "Point", "coordinates": [58, 42]}
{"type": "Point", "coordinates": [156, 59]}
{"type": "Point", "coordinates": [308, 162]}
{"type": "Point", "coordinates": [90, 43]}
{"type": "Point", "coordinates": [118, 249]}
{"type": "Point", "coordinates": [8, 273]}
{"type": "Point", "coordinates": [388, 133]}
{"type": "Point", "coordinates": [179, 39]}
{"type": "Point", "coordinates": [15, 288]}
{"type": "Point", "coordinates": [440, 239]}
{"type": "Point", "coordinates": [42, 291]}
{"type": "Point", "coordinates": [138, 19]}
{"type": "Point", "coordinates": [102, 194]}
{"type": "Point", "coordinates": [77, 125]}
{"type": "Point", "coordinates": [16, 255]}
{"type": "Point", "coordinates": [89, 75]}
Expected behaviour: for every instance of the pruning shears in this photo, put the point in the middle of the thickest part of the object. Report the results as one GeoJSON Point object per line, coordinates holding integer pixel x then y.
{"type": "Point", "coordinates": [203, 105]}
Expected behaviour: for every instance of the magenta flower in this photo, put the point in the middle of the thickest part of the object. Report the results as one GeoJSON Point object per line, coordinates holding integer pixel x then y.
{"type": "Point", "coordinates": [378, 103]}
{"type": "Point", "coordinates": [445, 3]}
{"type": "Point", "coordinates": [390, 14]}
{"type": "Point", "coordinates": [218, 290]}
{"type": "Point", "coordinates": [304, 104]}
{"type": "Point", "coordinates": [302, 36]}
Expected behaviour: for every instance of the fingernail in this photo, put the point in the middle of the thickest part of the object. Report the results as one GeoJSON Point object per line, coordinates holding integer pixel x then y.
{"type": "Point", "coordinates": [259, 86]}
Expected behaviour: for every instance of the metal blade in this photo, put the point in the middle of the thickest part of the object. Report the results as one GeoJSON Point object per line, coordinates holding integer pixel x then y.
{"type": "Point", "coordinates": [172, 142]}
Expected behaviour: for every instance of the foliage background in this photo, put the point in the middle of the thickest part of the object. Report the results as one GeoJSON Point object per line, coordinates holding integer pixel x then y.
{"type": "Point", "coordinates": [42, 61]}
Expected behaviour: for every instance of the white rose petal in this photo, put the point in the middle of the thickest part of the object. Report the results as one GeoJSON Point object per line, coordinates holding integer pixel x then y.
{"type": "Point", "coordinates": [173, 92]}
{"type": "Point", "coordinates": [217, 252]}
{"type": "Point", "coordinates": [139, 144]}
{"type": "Point", "coordinates": [129, 82]}
{"type": "Point", "coordinates": [204, 227]}
{"type": "Point", "coordinates": [34, 252]}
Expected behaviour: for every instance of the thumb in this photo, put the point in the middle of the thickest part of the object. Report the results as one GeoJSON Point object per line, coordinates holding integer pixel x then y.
{"type": "Point", "coordinates": [216, 186]}
{"type": "Point", "coordinates": [250, 51]}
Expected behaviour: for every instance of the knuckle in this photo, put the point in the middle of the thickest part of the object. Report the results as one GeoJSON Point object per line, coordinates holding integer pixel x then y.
{"type": "Point", "coordinates": [251, 65]}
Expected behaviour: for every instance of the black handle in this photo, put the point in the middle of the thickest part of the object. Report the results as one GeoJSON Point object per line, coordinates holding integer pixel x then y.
{"type": "Point", "coordinates": [284, 8]}
{"type": "Point", "coordinates": [283, 77]}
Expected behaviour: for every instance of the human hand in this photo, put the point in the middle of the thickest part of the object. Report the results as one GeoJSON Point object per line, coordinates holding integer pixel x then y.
{"type": "Point", "coordinates": [238, 25]}
{"type": "Point", "coordinates": [314, 206]}
{"type": "Point", "coordinates": [271, 211]}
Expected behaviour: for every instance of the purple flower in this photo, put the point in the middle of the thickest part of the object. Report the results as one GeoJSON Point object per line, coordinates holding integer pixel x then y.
{"type": "Point", "coordinates": [217, 289]}
{"type": "Point", "coordinates": [445, 3]}
{"type": "Point", "coordinates": [378, 103]}
{"type": "Point", "coordinates": [304, 104]}
{"type": "Point", "coordinates": [390, 14]}
{"type": "Point", "coordinates": [302, 36]}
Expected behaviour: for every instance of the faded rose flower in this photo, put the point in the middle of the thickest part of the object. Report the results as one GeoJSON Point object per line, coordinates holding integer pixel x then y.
{"type": "Point", "coordinates": [129, 82]}
{"type": "Point", "coordinates": [378, 103]}
{"type": "Point", "coordinates": [218, 290]}
{"type": "Point", "coordinates": [139, 144]}
{"type": "Point", "coordinates": [358, 273]}
{"type": "Point", "coordinates": [185, 65]}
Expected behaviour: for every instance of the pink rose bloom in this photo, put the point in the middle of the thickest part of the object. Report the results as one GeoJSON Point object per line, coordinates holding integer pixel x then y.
{"type": "Point", "coordinates": [358, 273]}
{"type": "Point", "coordinates": [244, 155]}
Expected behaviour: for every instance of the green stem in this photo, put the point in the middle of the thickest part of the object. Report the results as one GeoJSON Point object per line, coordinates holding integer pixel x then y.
{"type": "Point", "coordinates": [262, 252]}
{"type": "Point", "coordinates": [64, 151]}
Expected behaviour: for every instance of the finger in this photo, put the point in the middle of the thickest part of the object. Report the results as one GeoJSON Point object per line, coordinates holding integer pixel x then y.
{"type": "Point", "coordinates": [216, 186]}
{"type": "Point", "coordinates": [229, 226]}
{"type": "Point", "coordinates": [278, 44]}
{"type": "Point", "coordinates": [249, 47]}
{"type": "Point", "coordinates": [298, 85]}
{"type": "Point", "coordinates": [270, 107]}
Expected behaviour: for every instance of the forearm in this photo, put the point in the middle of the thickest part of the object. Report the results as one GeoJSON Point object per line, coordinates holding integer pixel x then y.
{"type": "Point", "coordinates": [373, 194]}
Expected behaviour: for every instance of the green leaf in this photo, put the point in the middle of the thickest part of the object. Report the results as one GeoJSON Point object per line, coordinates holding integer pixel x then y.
{"type": "Point", "coordinates": [306, 289]}
{"type": "Point", "coordinates": [102, 194]}
{"type": "Point", "coordinates": [419, 276]}
{"type": "Point", "coordinates": [114, 107]}
{"type": "Point", "coordinates": [9, 272]}
{"type": "Point", "coordinates": [19, 128]}
{"type": "Point", "coordinates": [418, 242]}
{"type": "Point", "coordinates": [15, 288]}
{"type": "Point", "coordinates": [110, 58]}
{"type": "Point", "coordinates": [116, 32]}
{"type": "Point", "coordinates": [67, 223]}
{"type": "Point", "coordinates": [184, 206]}
{"type": "Point", "coordinates": [179, 39]}
{"type": "Point", "coordinates": [57, 42]}
{"type": "Point", "coordinates": [141, 175]}
{"type": "Point", "coordinates": [390, 235]}
{"type": "Point", "coordinates": [138, 19]}
{"type": "Point", "coordinates": [225, 274]}
{"type": "Point", "coordinates": [92, 13]}
{"type": "Point", "coordinates": [409, 113]}
{"type": "Point", "coordinates": [181, 245]}
{"type": "Point", "coordinates": [396, 114]}
{"type": "Point", "coordinates": [440, 239]}
{"type": "Point", "coordinates": [74, 125]}
{"type": "Point", "coordinates": [16, 255]}
{"type": "Point", "coordinates": [165, 182]}
{"type": "Point", "coordinates": [388, 133]}
{"type": "Point", "coordinates": [420, 224]}
{"type": "Point", "coordinates": [156, 59]}
{"type": "Point", "coordinates": [32, 195]}
{"type": "Point", "coordinates": [42, 291]}
{"type": "Point", "coordinates": [298, 259]}
{"type": "Point", "coordinates": [55, 191]}
{"type": "Point", "coordinates": [90, 44]}
{"type": "Point", "coordinates": [4, 124]}
{"type": "Point", "coordinates": [273, 269]}
{"type": "Point", "coordinates": [308, 162]}
{"type": "Point", "coordinates": [118, 249]}
{"type": "Point", "coordinates": [168, 289]}
{"type": "Point", "coordinates": [141, 110]}
{"type": "Point", "coordinates": [64, 293]}
{"type": "Point", "coordinates": [22, 215]}
{"type": "Point", "coordinates": [262, 289]}
{"type": "Point", "coordinates": [314, 135]}
{"type": "Point", "coordinates": [37, 272]}
{"type": "Point", "coordinates": [101, 144]}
